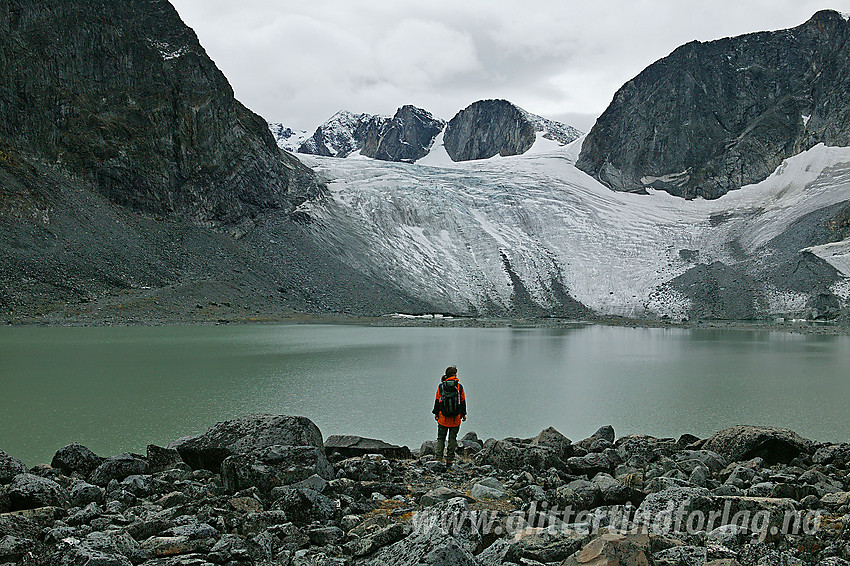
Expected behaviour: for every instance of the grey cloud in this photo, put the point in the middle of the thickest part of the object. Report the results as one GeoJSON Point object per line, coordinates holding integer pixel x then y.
{"type": "Point", "coordinates": [299, 62]}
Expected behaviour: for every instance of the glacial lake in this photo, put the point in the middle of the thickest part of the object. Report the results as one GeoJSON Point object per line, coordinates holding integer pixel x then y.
{"type": "Point", "coordinates": [118, 389]}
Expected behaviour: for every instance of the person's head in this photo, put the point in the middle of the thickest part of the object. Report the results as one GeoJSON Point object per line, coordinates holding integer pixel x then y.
{"type": "Point", "coordinates": [451, 371]}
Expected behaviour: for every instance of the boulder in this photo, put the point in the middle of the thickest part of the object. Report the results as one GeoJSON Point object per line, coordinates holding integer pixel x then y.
{"type": "Point", "coordinates": [367, 468]}
{"type": "Point", "coordinates": [688, 460]}
{"type": "Point", "coordinates": [647, 448]}
{"type": "Point", "coordinates": [774, 445]}
{"type": "Point", "coordinates": [303, 506]}
{"type": "Point", "coordinates": [247, 434]}
{"type": "Point", "coordinates": [76, 458]}
{"type": "Point", "coordinates": [13, 548]}
{"type": "Point", "coordinates": [438, 495]}
{"type": "Point", "coordinates": [429, 447]}
{"type": "Point", "coordinates": [118, 468]}
{"type": "Point", "coordinates": [551, 438]}
{"type": "Point", "coordinates": [10, 467]}
{"type": "Point", "coordinates": [517, 454]}
{"type": "Point", "coordinates": [550, 544]}
{"type": "Point", "coordinates": [28, 491]}
{"type": "Point", "coordinates": [578, 495]}
{"type": "Point", "coordinates": [83, 493]}
{"type": "Point", "coordinates": [613, 550]}
{"type": "Point", "coordinates": [835, 500]}
{"type": "Point", "coordinates": [666, 511]}
{"type": "Point", "coordinates": [443, 535]}
{"type": "Point", "coordinates": [489, 488]}
{"type": "Point", "coordinates": [369, 544]}
{"type": "Point", "coordinates": [614, 492]}
{"type": "Point", "coordinates": [832, 454]}
{"type": "Point", "coordinates": [593, 463]}
{"type": "Point", "coordinates": [274, 466]}
{"type": "Point", "coordinates": [160, 458]}
{"type": "Point", "coordinates": [85, 552]}
{"type": "Point", "coordinates": [350, 446]}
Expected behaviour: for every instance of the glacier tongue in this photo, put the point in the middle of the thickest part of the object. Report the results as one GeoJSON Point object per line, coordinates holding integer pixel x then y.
{"type": "Point", "coordinates": [462, 235]}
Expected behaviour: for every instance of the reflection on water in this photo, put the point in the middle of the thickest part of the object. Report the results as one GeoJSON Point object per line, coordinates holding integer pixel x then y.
{"type": "Point", "coordinates": [116, 389]}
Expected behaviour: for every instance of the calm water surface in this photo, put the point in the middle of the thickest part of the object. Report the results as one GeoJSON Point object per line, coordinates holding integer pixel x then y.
{"type": "Point", "coordinates": [118, 389]}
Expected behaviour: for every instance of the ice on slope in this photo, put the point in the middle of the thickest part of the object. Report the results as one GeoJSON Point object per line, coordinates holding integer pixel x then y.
{"type": "Point", "coordinates": [287, 138]}
{"type": "Point", "coordinates": [440, 229]}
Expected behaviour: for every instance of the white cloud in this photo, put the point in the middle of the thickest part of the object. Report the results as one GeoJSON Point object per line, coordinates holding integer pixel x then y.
{"type": "Point", "coordinates": [299, 62]}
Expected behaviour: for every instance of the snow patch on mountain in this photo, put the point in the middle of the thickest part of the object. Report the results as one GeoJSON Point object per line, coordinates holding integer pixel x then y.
{"type": "Point", "coordinates": [287, 138]}
{"type": "Point", "coordinates": [551, 129]}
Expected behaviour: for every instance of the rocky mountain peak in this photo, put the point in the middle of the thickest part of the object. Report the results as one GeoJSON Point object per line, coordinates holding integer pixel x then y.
{"type": "Point", "coordinates": [341, 135]}
{"type": "Point", "coordinates": [497, 127]}
{"type": "Point", "coordinates": [122, 97]}
{"type": "Point", "coordinates": [407, 136]}
{"type": "Point", "coordinates": [712, 117]}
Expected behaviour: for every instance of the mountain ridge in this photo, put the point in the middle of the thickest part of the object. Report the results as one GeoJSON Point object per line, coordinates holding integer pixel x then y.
{"type": "Point", "coordinates": [712, 117]}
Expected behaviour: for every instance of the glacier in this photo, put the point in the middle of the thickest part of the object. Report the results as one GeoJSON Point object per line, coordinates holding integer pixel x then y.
{"type": "Point", "coordinates": [463, 236]}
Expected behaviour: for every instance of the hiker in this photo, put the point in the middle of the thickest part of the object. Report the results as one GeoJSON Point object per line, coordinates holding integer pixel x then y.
{"type": "Point", "coordinates": [449, 411]}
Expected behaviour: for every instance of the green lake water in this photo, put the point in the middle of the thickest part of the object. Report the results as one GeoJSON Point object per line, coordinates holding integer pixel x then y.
{"type": "Point", "coordinates": [118, 389]}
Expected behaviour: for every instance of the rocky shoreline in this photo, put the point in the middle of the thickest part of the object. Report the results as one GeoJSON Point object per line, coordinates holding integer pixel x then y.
{"type": "Point", "coordinates": [225, 317]}
{"type": "Point", "coordinates": [269, 489]}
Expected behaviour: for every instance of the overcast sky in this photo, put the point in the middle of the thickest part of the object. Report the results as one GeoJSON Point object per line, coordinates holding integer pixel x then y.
{"type": "Point", "coordinates": [299, 61]}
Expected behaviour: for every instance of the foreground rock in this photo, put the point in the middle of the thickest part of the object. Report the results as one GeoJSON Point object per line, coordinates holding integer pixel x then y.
{"type": "Point", "coordinates": [76, 458]}
{"type": "Point", "coordinates": [542, 500]}
{"type": "Point", "coordinates": [348, 446]}
{"type": "Point", "coordinates": [247, 434]}
{"type": "Point", "coordinates": [746, 442]}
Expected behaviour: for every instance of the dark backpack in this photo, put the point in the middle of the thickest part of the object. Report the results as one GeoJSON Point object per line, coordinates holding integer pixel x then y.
{"type": "Point", "coordinates": [450, 398]}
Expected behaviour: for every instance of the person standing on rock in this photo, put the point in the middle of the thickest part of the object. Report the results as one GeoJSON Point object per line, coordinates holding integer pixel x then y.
{"type": "Point", "coordinates": [449, 411]}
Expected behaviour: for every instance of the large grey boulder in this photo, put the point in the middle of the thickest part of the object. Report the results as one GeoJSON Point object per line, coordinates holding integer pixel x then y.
{"type": "Point", "coordinates": [550, 544]}
{"type": "Point", "coordinates": [350, 446]}
{"type": "Point", "coordinates": [551, 438]}
{"type": "Point", "coordinates": [712, 117]}
{"type": "Point", "coordinates": [546, 450]}
{"type": "Point", "coordinates": [274, 466]}
{"type": "Point", "coordinates": [832, 454]}
{"type": "Point", "coordinates": [774, 445]}
{"type": "Point", "coordinates": [407, 136]}
{"type": "Point", "coordinates": [487, 128]}
{"type": "Point", "coordinates": [303, 506]}
{"type": "Point", "coordinates": [28, 491]}
{"type": "Point", "coordinates": [10, 467]}
{"type": "Point", "coordinates": [76, 458]}
{"type": "Point", "coordinates": [613, 550]}
{"type": "Point", "coordinates": [443, 535]}
{"type": "Point", "coordinates": [247, 434]}
{"type": "Point", "coordinates": [117, 468]}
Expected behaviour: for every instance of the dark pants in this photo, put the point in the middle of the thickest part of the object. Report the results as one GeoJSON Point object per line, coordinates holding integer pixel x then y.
{"type": "Point", "coordinates": [441, 441]}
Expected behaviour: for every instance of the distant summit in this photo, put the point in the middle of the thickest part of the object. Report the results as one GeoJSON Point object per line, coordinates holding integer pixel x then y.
{"type": "Point", "coordinates": [484, 129]}
{"type": "Point", "coordinates": [497, 127]}
{"type": "Point", "coordinates": [343, 134]}
{"type": "Point", "coordinates": [407, 136]}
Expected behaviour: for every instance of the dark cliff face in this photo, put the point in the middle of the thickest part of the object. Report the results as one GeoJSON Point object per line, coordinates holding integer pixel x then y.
{"type": "Point", "coordinates": [121, 97]}
{"type": "Point", "coordinates": [407, 136]}
{"type": "Point", "coordinates": [712, 117]}
{"type": "Point", "coordinates": [487, 128]}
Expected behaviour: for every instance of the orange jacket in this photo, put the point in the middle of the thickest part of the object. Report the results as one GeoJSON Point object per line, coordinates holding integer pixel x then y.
{"type": "Point", "coordinates": [451, 422]}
